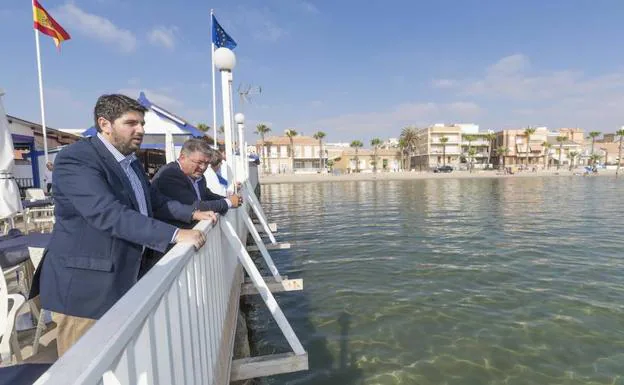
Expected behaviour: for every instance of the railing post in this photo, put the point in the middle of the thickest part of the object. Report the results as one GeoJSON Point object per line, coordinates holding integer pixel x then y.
{"type": "Point", "coordinates": [255, 205]}
{"type": "Point", "coordinates": [262, 287]}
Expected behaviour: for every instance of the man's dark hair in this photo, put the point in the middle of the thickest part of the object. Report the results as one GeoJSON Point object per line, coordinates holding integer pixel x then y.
{"type": "Point", "coordinates": [111, 107]}
{"type": "Point", "coordinates": [216, 159]}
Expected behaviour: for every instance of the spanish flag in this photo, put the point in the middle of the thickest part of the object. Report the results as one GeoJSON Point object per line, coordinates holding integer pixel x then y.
{"type": "Point", "coordinates": [47, 25]}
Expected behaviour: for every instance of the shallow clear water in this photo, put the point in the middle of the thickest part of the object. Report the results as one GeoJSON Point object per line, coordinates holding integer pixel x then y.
{"type": "Point", "coordinates": [451, 281]}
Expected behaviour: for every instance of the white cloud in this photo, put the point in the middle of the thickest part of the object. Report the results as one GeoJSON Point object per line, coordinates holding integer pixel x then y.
{"type": "Point", "coordinates": [510, 78]}
{"type": "Point", "coordinates": [261, 24]}
{"type": "Point", "coordinates": [443, 83]}
{"type": "Point", "coordinates": [465, 108]}
{"type": "Point", "coordinates": [289, 6]}
{"type": "Point", "coordinates": [96, 27]}
{"type": "Point", "coordinates": [509, 65]}
{"type": "Point", "coordinates": [370, 124]}
{"type": "Point", "coordinates": [163, 36]}
{"type": "Point", "coordinates": [309, 7]}
{"type": "Point", "coordinates": [517, 94]}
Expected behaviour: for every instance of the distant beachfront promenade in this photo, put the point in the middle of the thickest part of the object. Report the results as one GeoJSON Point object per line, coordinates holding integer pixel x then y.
{"type": "Point", "coordinates": [401, 175]}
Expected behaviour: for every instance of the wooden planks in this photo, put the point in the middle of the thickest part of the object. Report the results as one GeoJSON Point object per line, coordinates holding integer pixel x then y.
{"type": "Point", "coordinates": [274, 287]}
{"type": "Point", "coordinates": [270, 365]}
{"type": "Point", "coordinates": [277, 246]}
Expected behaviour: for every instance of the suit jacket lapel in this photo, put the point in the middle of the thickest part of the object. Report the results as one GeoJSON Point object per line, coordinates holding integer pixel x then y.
{"type": "Point", "coordinates": [112, 164]}
{"type": "Point", "coordinates": [204, 192]}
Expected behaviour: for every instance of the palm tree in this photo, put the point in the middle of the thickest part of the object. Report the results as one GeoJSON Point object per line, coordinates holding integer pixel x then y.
{"type": "Point", "coordinates": [560, 139]}
{"type": "Point", "coordinates": [528, 132]}
{"type": "Point", "coordinates": [262, 130]}
{"type": "Point", "coordinates": [319, 135]}
{"type": "Point", "coordinates": [573, 155]}
{"type": "Point", "coordinates": [619, 133]}
{"type": "Point", "coordinates": [402, 149]}
{"type": "Point", "coordinates": [471, 153]}
{"type": "Point", "coordinates": [469, 139]}
{"type": "Point", "coordinates": [268, 151]}
{"type": "Point", "coordinates": [356, 144]}
{"type": "Point", "coordinates": [411, 140]}
{"type": "Point", "coordinates": [444, 140]}
{"type": "Point", "coordinates": [593, 135]}
{"type": "Point", "coordinates": [501, 152]}
{"type": "Point", "coordinates": [375, 143]}
{"type": "Point", "coordinates": [291, 133]}
{"type": "Point", "coordinates": [490, 137]}
{"type": "Point", "coordinates": [330, 164]}
{"type": "Point", "coordinates": [594, 158]}
{"type": "Point", "coordinates": [547, 147]}
{"type": "Point", "coordinates": [203, 127]}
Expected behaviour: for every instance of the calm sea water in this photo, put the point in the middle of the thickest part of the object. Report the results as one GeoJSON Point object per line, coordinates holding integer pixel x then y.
{"type": "Point", "coordinates": [451, 281]}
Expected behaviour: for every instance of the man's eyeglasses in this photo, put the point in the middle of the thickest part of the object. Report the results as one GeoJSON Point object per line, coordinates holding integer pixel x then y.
{"type": "Point", "coordinates": [200, 163]}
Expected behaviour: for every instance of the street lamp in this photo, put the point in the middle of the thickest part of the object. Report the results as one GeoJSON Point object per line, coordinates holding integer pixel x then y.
{"type": "Point", "coordinates": [240, 122]}
{"type": "Point", "coordinates": [225, 61]}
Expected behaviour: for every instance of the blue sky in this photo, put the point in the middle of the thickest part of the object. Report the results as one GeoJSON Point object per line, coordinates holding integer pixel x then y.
{"type": "Point", "coordinates": [353, 69]}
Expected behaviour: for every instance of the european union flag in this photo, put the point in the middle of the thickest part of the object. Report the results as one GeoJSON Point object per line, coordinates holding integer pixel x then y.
{"type": "Point", "coordinates": [220, 38]}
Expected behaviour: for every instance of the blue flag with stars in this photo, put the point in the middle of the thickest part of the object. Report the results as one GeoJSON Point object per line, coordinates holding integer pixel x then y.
{"type": "Point", "coordinates": [220, 38]}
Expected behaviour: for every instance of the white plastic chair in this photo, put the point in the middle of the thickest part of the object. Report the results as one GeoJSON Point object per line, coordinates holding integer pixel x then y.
{"type": "Point", "coordinates": [10, 305]}
{"type": "Point", "coordinates": [39, 217]}
{"type": "Point", "coordinates": [36, 255]}
{"type": "Point", "coordinates": [35, 194]}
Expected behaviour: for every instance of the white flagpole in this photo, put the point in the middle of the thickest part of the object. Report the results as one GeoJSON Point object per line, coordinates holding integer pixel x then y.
{"type": "Point", "coordinates": [214, 90]}
{"type": "Point", "coordinates": [43, 122]}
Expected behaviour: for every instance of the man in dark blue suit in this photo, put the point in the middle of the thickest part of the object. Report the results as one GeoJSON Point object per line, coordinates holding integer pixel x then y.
{"type": "Point", "coordinates": [183, 181]}
{"type": "Point", "coordinates": [104, 213]}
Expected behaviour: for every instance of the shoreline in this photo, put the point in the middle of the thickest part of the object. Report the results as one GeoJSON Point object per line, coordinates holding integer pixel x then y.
{"type": "Point", "coordinates": [414, 175]}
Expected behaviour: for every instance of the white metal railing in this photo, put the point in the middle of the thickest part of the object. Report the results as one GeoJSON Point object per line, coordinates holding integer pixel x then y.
{"type": "Point", "coordinates": [175, 326]}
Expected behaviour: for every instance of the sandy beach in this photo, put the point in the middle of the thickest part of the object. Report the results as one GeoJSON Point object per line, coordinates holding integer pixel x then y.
{"type": "Point", "coordinates": [314, 178]}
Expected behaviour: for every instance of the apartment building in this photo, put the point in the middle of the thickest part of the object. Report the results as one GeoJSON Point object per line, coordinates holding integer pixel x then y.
{"type": "Point", "coordinates": [537, 155]}
{"type": "Point", "coordinates": [432, 150]}
{"type": "Point", "coordinates": [608, 148]}
{"type": "Point", "coordinates": [276, 158]}
{"type": "Point", "coordinates": [515, 142]}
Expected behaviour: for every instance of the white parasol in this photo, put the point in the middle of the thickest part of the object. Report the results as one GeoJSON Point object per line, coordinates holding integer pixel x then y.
{"type": "Point", "coordinates": [10, 202]}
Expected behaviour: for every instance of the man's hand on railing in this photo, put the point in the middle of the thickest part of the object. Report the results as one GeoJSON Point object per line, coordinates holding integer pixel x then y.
{"type": "Point", "coordinates": [205, 216]}
{"type": "Point", "coordinates": [236, 200]}
{"type": "Point", "coordinates": [194, 237]}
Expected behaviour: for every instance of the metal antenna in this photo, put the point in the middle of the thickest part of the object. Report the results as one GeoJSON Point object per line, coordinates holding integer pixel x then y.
{"type": "Point", "coordinates": [246, 92]}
